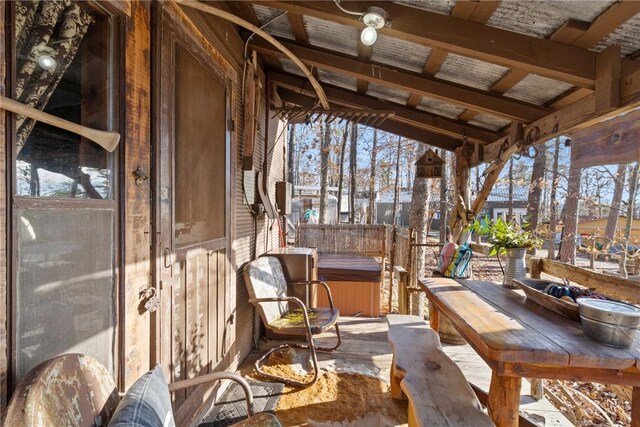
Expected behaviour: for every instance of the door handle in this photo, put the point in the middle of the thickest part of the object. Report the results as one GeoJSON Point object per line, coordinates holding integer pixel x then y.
{"type": "Point", "coordinates": [168, 258]}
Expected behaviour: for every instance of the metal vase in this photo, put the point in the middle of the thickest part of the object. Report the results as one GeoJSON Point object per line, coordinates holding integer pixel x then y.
{"type": "Point", "coordinates": [515, 267]}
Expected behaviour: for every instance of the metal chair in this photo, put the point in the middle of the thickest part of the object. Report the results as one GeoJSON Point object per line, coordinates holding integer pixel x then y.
{"type": "Point", "coordinates": [267, 288]}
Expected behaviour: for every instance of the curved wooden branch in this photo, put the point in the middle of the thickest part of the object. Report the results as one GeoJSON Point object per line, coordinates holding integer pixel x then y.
{"type": "Point", "coordinates": [107, 140]}
{"type": "Point", "coordinates": [249, 26]}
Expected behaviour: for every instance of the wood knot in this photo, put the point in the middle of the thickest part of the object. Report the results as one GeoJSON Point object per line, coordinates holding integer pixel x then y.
{"type": "Point", "coordinates": [613, 138]}
{"type": "Point", "coordinates": [430, 364]}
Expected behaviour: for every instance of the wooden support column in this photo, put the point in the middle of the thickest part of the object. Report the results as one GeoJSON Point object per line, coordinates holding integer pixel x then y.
{"type": "Point", "coordinates": [135, 327]}
{"type": "Point", "coordinates": [509, 147]}
{"type": "Point", "coordinates": [608, 79]}
{"type": "Point", "coordinates": [461, 209]}
{"type": "Point", "coordinates": [635, 407]}
{"type": "Point", "coordinates": [504, 400]}
{"type": "Point", "coordinates": [4, 279]}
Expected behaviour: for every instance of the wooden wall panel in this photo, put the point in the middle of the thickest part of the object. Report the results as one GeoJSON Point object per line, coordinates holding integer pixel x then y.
{"type": "Point", "coordinates": [4, 301]}
{"type": "Point", "coordinates": [135, 327]}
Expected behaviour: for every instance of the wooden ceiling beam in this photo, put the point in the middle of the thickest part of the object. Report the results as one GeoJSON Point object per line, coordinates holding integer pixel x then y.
{"type": "Point", "coordinates": [344, 98]}
{"type": "Point", "coordinates": [297, 26]}
{"type": "Point", "coordinates": [513, 50]}
{"type": "Point", "coordinates": [391, 125]}
{"type": "Point", "coordinates": [576, 116]}
{"type": "Point", "coordinates": [616, 15]}
{"type": "Point", "coordinates": [408, 82]}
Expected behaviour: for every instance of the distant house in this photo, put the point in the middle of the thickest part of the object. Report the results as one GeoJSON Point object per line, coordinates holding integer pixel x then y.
{"type": "Point", "coordinates": [497, 205]}
{"type": "Point", "coordinates": [597, 226]}
{"type": "Point", "coordinates": [384, 208]}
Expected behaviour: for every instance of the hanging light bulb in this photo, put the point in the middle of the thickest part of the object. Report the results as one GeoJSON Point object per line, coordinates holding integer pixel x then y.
{"type": "Point", "coordinates": [368, 36]}
{"type": "Point", "coordinates": [374, 20]}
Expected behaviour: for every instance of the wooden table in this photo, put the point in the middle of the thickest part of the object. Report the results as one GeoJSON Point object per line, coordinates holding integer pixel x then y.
{"type": "Point", "coordinates": [519, 338]}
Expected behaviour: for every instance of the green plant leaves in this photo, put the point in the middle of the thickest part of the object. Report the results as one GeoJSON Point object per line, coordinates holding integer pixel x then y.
{"type": "Point", "coordinates": [503, 235]}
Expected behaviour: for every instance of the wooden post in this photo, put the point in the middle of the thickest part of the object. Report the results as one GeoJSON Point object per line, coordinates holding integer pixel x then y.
{"type": "Point", "coordinates": [537, 388]}
{"type": "Point", "coordinates": [459, 220]}
{"type": "Point", "coordinates": [403, 294]}
{"type": "Point", "coordinates": [504, 400]}
{"type": "Point", "coordinates": [434, 318]}
{"type": "Point", "coordinates": [536, 268]}
{"type": "Point", "coordinates": [136, 354]}
{"type": "Point", "coordinates": [393, 264]}
{"type": "Point", "coordinates": [608, 79]}
{"type": "Point", "coordinates": [592, 255]}
{"type": "Point", "coordinates": [635, 407]}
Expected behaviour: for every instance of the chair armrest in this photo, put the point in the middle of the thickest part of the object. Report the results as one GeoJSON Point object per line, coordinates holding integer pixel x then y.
{"type": "Point", "coordinates": [317, 282]}
{"type": "Point", "coordinates": [279, 299]}
{"type": "Point", "coordinates": [217, 376]}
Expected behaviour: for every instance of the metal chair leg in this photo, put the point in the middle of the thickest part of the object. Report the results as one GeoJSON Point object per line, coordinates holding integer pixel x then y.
{"type": "Point", "coordinates": [314, 361]}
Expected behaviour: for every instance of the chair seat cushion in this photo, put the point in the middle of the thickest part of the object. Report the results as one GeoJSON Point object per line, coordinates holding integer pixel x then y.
{"type": "Point", "coordinates": [292, 323]}
{"type": "Point", "coordinates": [146, 404]}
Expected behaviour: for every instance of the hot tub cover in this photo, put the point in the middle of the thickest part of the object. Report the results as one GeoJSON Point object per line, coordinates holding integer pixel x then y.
{"type": "Point", "coordinates": [348, 268]}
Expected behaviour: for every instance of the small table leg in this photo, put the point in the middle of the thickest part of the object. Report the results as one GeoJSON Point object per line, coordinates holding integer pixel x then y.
{"type": "Point", "coordinates": [434, 318]}
{"type": "Point", "coordinates": [504, 400]}
{"type": "Point", "coordinates": [635, 408]}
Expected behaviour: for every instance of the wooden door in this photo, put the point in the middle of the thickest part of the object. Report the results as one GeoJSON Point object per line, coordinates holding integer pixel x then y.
{"type": "Point", "coordinates": [192, 205]}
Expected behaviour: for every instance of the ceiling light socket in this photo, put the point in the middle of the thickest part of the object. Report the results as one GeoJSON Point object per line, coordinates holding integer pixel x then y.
{"type": "Point", "coordinates": [374, 17]}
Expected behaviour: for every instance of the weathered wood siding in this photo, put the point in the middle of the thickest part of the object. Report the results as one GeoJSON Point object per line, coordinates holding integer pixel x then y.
{"type": "Point", "coordinates": [136, 204]}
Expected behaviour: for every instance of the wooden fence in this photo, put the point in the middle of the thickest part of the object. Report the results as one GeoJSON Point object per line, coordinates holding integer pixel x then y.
{"type": "Point", "coordinates": [344, 238]}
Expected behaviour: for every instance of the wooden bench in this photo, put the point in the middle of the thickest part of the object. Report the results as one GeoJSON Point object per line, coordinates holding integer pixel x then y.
{"type": "Point", "coordinates": [437, 390]}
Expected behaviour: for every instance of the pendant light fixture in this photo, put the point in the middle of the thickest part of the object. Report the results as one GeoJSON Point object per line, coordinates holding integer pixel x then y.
{"type": "Point", "coordinates": [374, 19]}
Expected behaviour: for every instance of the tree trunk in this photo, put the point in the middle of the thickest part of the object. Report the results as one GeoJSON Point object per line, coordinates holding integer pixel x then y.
{"type": "Point", "coordinates": [290, 157]}
{"type": "Point", "coordinates": [372, 180]}
{"type": "Point", "coordinates": [633, 187]}
{"type": "Point", "coordinates": [324, 168]}
{"type": "Point", "coordinates": [444, 191]}
{"type": "Point", "coordinates": [554, 203]}
{"type": "Point", "coordinates": [395, 223]}
{"type": "Point", "coordinates": [343, 147]}
{"type": "Point", "coordinates": [396, 190]}
{"type": "Point", "coordinates": [570, 230]}
{"type": "Point", "coordinates": [614, 212]}
{"type": "Point", "coordinates": [352, 173]}
{"type": "Point", "coordinates": [535, 189]}
{"type": "Point", "coordinates": [419, 221]}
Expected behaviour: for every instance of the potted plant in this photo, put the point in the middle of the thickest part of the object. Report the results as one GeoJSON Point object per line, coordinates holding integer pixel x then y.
{"type": "Point", "coordinates": [507, 238]}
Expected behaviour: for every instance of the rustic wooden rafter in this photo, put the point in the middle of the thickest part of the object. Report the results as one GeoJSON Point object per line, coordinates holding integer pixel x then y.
{"type": "Point", "coordinates": [392, 124]}
{"type": "Point", "coordinates": [366, 117]}
{"type": "Point", "coordinates": [544, 57]}
{"type": "Point", "coordinates": [577, 116]}
{"type": "Point", "coordinates": [437, 124]}
{"type": "Point", "coordinates": [409, 82]}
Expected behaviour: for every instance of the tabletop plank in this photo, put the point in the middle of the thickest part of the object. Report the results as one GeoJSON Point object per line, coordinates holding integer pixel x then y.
{"type": "Point", "coordinates": [498, 337]}
{"type": "Point", "coordinates": [568, 334]}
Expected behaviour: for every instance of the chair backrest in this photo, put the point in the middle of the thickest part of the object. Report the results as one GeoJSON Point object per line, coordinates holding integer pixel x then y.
{"type": "Point", "coordinates": [71, 390]}
{"type": "Point", "coordinates": [264, 278]}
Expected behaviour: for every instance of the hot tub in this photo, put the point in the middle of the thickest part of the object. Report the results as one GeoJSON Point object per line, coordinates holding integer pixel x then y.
{"type": "Point", "coordinates": [354, 281]}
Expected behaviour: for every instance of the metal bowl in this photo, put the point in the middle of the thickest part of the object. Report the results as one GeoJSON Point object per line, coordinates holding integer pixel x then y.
{"type": "Point", "coordinates": [610, 322]}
